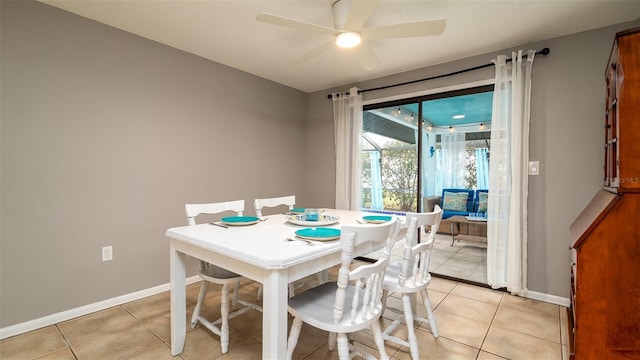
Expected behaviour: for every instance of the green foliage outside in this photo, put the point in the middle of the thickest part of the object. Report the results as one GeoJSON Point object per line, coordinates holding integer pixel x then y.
{"type": "Point", "coordinates": [366, 181]}
{"type": "Point", "coordinates": [400, 177]}
{"type": "Point", "coordinates": [471, 176]}
{"type": "Point", "coordinates": [400, 182]}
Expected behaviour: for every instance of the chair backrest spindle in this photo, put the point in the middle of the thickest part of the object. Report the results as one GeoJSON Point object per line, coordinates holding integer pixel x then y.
{"type": "Point", "coordinates": [414, 269]}
{"type": "Point", "coordinates": [367, 279]}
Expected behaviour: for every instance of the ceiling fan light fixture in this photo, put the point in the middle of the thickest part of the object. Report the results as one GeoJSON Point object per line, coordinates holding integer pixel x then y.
{"type": "Point", "coordinates": [348, 39]}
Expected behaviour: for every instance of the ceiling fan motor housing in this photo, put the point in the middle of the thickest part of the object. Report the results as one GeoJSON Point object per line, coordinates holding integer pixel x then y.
{"type": "Point", "coordinates": [340, 9]}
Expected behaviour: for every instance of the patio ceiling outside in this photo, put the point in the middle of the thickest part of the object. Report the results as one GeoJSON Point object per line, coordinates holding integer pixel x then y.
{"type": "Point", "coordinates": [376, 124]}
{"type": "Point", "coordinates": [399, 122]}
{"type": "Point", "coordinates": [476, 108]}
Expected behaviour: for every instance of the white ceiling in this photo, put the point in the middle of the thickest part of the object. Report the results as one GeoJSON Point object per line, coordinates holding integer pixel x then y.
{"type": "Point", "coordinates": [226, 31]}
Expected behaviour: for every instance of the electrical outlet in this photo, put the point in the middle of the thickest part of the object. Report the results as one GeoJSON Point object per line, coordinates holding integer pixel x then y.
{"type": "Point", "coordinates": [107, 253]}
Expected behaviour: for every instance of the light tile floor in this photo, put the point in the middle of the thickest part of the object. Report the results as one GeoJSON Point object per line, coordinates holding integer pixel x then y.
{"type": "Point", "coordinates": [466, 260]}
{"type": "Point", "coordinates": [474, 323]}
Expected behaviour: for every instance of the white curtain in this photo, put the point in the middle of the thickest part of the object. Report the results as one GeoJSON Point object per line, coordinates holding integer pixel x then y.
{"type": "Point", "coordinates": [482, 168]}
{"type": "Point", "coordinates": [347, 119]}
{"type": "Point", "coordinates": [377, 201]}
{"type": "Point", "coordinates": [508, 178]}
{"type": "Point", "coordinates": [450, 162]}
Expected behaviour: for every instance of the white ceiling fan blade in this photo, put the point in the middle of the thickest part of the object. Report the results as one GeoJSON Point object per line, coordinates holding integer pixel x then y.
{"type": "Point", "coordinates": [366, 56]}
{"type": "Point", "coordinates": [360, 12]}
{"type": "Point", "coordinates": [313, 53]}
{"type": "Point", "coordinates": [295, 24]}
{"type": "Point", "coordinates": [421, 28]}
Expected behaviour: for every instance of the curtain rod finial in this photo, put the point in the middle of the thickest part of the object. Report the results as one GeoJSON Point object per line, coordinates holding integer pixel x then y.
{"type": "Point", "coordinates": [545, 51]}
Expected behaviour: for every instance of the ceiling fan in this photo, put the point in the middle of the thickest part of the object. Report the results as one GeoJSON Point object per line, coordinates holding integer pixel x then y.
{"type": "Point", "coordinates": [349, 17]}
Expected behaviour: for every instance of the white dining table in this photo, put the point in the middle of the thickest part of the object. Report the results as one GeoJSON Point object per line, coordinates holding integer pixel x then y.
{"type": "Point", "coordinates": [259, 252]}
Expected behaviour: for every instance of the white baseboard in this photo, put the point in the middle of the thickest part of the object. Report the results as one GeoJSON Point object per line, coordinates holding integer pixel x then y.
{"type": "Point", "coordinates": [102, 305]}
{"type": "Point", "coordinates": [84, 310]}
{"type": "Point", "coordinates": [562, 301]}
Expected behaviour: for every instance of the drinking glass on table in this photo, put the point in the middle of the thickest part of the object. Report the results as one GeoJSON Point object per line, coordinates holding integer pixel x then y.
{"type": "Point", "coordinates": [311, 215]}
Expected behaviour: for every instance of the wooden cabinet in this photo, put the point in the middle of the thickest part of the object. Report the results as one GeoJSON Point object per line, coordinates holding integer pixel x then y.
{"type": "Point", "coordinates": [604, 317]}
{"type": "Point", "coordinates": [622, 116]}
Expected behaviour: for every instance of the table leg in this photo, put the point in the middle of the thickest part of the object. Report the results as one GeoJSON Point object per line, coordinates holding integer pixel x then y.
{"type": "Point", "coordinates": [178, 299]}
{"type": "Point", "coordinates": [274, 316]}
{"type": "Point", "coordinates": [453, 236]}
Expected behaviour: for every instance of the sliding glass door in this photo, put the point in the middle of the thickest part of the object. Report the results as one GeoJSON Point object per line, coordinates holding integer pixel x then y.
{"type": "Point", "coordinates": [414, 148]}
{"type": "Point", "coordinates": [406, 162]}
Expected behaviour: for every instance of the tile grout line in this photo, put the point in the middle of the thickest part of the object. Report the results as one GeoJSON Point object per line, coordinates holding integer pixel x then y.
{"type": "Point", "coordinates": [140, 322]}
{"type": "Point", "coordinates": [490, 325]}
{"type": "Point", "coordinates": [519, 310]}
{"type": "Point", "coordinates": [66, 341]}
{"type": "Point", "coordinates": [485, 336]}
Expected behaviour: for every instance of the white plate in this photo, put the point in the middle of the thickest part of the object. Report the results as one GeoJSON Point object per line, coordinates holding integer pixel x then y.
{"type": "Point", "coordinates": [323, 220]}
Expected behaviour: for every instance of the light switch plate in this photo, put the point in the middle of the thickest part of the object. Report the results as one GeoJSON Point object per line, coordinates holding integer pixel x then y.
{"type": "Point", "coordinates": [107, 253]}
{"type": "Point", "coordinates": [534, 167]}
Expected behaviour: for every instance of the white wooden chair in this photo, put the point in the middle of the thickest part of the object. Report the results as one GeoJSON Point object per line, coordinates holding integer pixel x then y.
{"type": "Point", "coordinates": [210, 273]}
{"type": "Point", "coordinates": [288, 201]}
{"type": "Point", "coordinates": [411, 276]}
{"type": "Point", "coordinates": [351, 304]}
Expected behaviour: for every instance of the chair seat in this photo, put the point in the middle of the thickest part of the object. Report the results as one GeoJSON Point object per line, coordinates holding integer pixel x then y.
{"type": "Point", "coordinates": [315, 307]}
{"type": "Point", "coordinates": [351, 304]}
{"type": "Point", "coordinates": [391, 280]}
{"type": "Point", "coordinates": [220, 275]}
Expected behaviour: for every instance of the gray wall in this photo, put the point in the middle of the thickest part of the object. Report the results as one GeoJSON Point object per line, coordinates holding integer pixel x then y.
{"type": "Point", "coordinates": [104, 137]}
{"type": "Point", "coordinates": [566, 127]}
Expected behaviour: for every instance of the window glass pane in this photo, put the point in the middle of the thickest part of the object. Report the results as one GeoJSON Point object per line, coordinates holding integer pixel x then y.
{"type": "Point", "coordinates": [389, 161]}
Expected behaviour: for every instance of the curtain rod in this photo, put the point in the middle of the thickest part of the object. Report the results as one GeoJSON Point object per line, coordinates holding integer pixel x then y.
{"type": "Point", "coordinates": [544, 51]}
